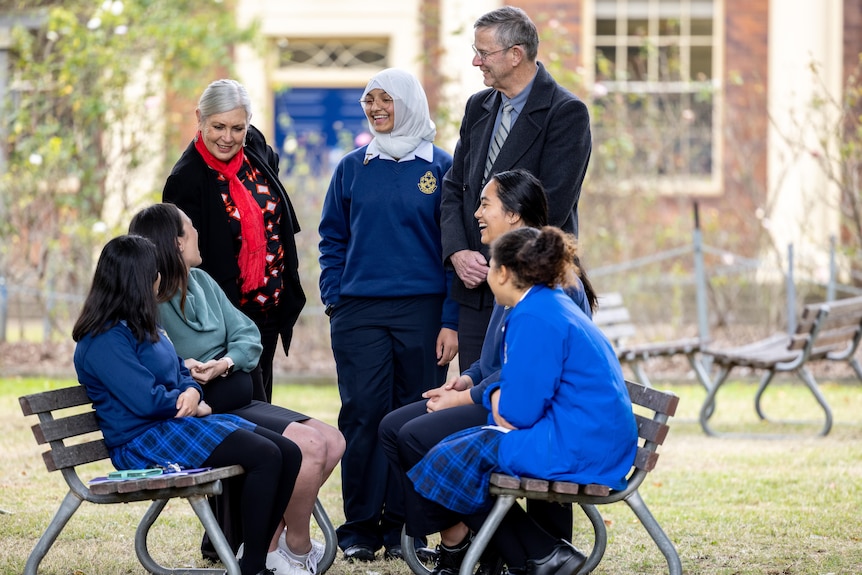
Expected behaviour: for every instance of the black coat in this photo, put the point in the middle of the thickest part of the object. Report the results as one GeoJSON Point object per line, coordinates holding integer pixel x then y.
{"type": "Point", "coordinates": [551, 138]}
{"type": "Point", "coordinates": [193, 187]}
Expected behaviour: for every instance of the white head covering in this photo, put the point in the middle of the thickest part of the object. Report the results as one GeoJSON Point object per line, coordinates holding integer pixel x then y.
{"type": "Point", "coordinates": [413, 123]}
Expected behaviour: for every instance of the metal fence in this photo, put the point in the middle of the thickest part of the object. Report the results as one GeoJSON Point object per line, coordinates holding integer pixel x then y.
{"type": "Point", "coordinates": [707, 292]}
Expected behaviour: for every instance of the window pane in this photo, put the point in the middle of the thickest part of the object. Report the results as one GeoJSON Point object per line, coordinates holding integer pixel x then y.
{"type": "Point", "coordinates": [668, 27]}
{"type": "Point", "coordinates": [669, 64]}
{"type": "Point", "coordinates": [606, 27]}
{"type": "Point", "coordinates": [637, 64]}
{"type": "Point", "coordinates": [606, 62]}
{"type": "Point", "coordinates": [701, 27]}
{"type": "Point", "coordinates": [701, 63]}
{"type": "Point", "coordinates": [638, 27]}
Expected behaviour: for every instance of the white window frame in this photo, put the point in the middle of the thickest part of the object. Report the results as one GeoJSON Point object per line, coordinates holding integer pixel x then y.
{"type": "Point", "coordinates": [711, 184]}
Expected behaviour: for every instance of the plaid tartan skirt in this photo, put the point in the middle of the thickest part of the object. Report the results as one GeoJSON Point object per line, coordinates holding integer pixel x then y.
{"type": "Point", "coordinates": [455, 472]}
{"type": "Point", "coordinates": [187, 441]}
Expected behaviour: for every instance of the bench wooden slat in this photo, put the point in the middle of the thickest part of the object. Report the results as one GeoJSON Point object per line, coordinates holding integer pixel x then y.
{"type": "Point", "coordinates": [166, 481]}
{"type": "Point", "coordinates": [659, 349]}
{"type": "Point", "coordinates": [653, 399]}
{"type": "Point", "coordinates": [618, 333]}
{"type": "Point", "coordinates": [651, 430]}
{"type": "Point", "coordinates": [64, 457]}
{"type": "Point", "coordinates": [53, 400]}
{"type": "Point", "coordinates": [645, 459]}
{"type": "Point", "coordinates": [610, 316]}
{"type": "Point", "coordinates": [71, 426]}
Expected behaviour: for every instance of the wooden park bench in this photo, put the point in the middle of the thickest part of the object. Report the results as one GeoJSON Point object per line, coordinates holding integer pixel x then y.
{"type": "Point", "coordinates": [62, 432]}
{"type": "Point", "coordinates": [653, 408]}
{"type": "Point", "coordinates": [614, 320]}
{"type": "Point", "coordinates": [826, 331]}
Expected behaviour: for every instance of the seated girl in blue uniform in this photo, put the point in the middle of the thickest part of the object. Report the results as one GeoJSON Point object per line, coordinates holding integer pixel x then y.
{"type": "Point", "coordinates": [207, 330]}
{"type": "Point", "coordinates": [559, 411]}
{"type": "Point", "coordinates": [149, 407]}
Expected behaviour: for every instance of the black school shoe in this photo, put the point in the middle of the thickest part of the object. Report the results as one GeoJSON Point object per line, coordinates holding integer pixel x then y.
{"type": "Point", "coordinates": [563, 560]}
{"type": "Point", "coordinates": [424, 554]}
{"type": "Point", "coordinates": [359, 553]}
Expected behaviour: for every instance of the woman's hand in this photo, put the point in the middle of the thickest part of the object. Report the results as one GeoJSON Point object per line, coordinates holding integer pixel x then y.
{"type": "Point", "coordinates": [451, 394]}
{"type": "Point", "coordinates": [447, 345]}
{"type": "Point", "coordinates": [495, 404]}
{"type": "Point", "coordinates": [187, 402]}
{"type": "Point", "coordinates": [205, 372]}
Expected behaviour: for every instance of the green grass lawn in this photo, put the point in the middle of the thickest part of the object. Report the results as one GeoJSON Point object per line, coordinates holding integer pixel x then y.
{"type": "Point", "coordinates": [732, 506]}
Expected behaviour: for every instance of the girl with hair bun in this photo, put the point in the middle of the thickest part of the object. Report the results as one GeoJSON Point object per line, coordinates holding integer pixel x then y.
{"type": "Point", "coordinates": [560, 410]}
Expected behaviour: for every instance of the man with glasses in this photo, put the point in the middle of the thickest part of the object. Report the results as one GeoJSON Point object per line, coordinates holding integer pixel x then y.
{"type": "Point", "coordinates": [523, 120]}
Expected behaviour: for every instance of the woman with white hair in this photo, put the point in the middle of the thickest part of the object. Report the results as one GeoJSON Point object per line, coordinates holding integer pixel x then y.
{"type": "Point", "coordinates": [385, 289]}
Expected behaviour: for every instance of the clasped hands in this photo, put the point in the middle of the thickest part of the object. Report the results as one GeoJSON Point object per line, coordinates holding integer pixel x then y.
{"type": "Point", "coordinates": [189, 404]}
{"type": "Point", "coordinates": [471, 267]}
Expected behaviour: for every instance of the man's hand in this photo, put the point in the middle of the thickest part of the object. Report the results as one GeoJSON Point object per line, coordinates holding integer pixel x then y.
{"type": "Point", "coordinates": [187, 402]}
{"type": "Point", "coordinates": [447, 345]}
{"type": "Point", "coordinates": [471, 267]}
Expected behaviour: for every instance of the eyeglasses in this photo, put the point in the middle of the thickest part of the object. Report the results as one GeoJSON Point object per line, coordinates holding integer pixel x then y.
{"type": "Point", "coordinates": [483, 55]}
{"type": "Point", "coordinates": [368, 101]}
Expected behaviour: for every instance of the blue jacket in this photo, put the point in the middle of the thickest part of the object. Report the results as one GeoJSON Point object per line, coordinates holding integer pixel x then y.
{"type": "Point", "coordinates": [486, 369]}
{"type": "Point", "coordinates": [380, 230]}
{"type": "Point", "coordinates": [134, 386]}
{"type": "Point", "coordinates": [562, 387]}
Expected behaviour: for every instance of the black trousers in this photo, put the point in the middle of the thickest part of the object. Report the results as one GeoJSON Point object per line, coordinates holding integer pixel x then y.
{"type": "Point", "coordinates": [408, 433]}
{"type": "Point", "coordinates": [385, 356]}
{"type": "Point", "coordinates": [472, 325]}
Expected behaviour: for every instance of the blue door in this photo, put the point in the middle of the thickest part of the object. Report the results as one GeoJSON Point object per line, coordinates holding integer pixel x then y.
{"type": "Point", "coordinates": [315, 127]}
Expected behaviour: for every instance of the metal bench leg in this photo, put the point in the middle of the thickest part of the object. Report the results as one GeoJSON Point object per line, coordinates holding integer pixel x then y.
{"type": "Point", "coordinates": [329, 537]}
{"type": "Point", "coordinates": [601, 538]}
{"type": "Point", "coordinates": [764, 382]}
{"type": "Point", "coordinates": [854, 363]}
{"type": "Point", "coordinates": [708, 407]}
{"type": "Point", "coordinates": [486, 532]}
{"type": "Point", "coordinates": [67, 508]}
{"type": "Point", "coordinates": [205, 515]}
{"type": "Point", "coordinates": [408, 551]}
{"type": "Point", "coordinates": [639, 372]}
{"type": "Point", "coordinates": [805, 375]}
{"type": "Point", "coordinates": [699, 370]}
{"type": "Point", "coordinates": [636, 503]}
{"type": "Point", "coordinates": [809, 380]}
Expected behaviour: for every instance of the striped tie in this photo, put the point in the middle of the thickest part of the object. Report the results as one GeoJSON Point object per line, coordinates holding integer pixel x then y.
{"type": "Point", "coordinates": [499, 137]}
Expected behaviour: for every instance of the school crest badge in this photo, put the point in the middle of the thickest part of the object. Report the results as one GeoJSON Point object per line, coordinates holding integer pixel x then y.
{"type": "Point", "coordinates": [428, 183]}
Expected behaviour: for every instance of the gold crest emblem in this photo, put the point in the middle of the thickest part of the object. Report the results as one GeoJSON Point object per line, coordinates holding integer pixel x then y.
{"type": "Point", "coordinates": [428, 183]}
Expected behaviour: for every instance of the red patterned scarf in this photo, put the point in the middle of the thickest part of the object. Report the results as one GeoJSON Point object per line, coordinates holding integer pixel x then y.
{"type": "Point", "coordinates": [252, 252]}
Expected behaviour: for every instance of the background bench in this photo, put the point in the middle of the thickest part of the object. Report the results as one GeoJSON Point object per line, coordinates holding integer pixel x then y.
{"type": "Point", "coordinates": [654, 408]}
{"type": "Point", "coordinates": [826, 331]}
{"type": "Point", "coordinates": [57, 429]}
{"type": "Point", "coordinates": [614, 320]}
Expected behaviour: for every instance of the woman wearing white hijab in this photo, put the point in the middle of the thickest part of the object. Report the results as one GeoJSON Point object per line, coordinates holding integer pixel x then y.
{"type": "Point", "coordinates": [385, 290]}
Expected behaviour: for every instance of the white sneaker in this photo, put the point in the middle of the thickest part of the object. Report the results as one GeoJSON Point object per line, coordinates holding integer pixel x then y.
{"type": "Point", "coordinates": [282, 564]}
{"type": "Point", "coordinates": [311, 559]}
{"type": "Point", "coordinates": [318, 548]}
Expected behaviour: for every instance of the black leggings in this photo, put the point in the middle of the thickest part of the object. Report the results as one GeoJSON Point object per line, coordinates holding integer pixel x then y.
{"type": "Point", "coordinates": [271, 463]}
